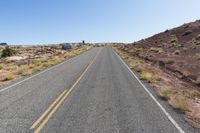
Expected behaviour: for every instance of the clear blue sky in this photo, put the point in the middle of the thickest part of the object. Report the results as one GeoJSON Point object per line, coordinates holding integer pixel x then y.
{"type": "Point", "coordinates": [54, 21]}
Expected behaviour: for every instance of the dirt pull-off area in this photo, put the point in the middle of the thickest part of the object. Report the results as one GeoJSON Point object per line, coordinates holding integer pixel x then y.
{"type": "Point", "coordinates": [170, 61]}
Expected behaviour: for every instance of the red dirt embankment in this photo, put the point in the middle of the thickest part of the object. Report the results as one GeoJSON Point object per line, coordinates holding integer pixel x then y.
{"type": "Point", "coordinates": [176, 50]}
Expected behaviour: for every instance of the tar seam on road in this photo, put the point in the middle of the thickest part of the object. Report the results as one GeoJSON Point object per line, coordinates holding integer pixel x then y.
{"type": "Point", "coordinates": [44, 118]}
{"type": "Point", "coordinates": [46, 70]}
{"type": "Point", "coordinates": [154, 99]}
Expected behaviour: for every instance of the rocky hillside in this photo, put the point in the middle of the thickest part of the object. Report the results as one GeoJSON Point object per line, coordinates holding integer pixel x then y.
{"type": "Point", "coordinates": [176, 51]}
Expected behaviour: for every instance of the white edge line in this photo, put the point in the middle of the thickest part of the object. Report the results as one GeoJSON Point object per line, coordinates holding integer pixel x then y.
{"type": "Point", "coordinates": [162, 108]}
{"type": "Point", "coordinates": [43, 71]}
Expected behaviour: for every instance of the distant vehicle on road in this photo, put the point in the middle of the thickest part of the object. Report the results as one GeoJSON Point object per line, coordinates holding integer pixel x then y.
{"type": "Point", "coordinates": [66, 46]}
{"type": "Point", "coordinates": [3, 44]}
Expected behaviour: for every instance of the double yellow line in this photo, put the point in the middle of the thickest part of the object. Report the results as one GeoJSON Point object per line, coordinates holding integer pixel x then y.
{"type": "Point", "coordinates": [44, 118]}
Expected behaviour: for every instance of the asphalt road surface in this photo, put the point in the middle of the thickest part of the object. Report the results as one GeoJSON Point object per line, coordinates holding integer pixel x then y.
{"type": "Point", "coordinates": [92, 93]}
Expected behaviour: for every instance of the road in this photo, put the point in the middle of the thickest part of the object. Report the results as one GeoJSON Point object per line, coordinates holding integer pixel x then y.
{"type": "Point", "coordinates": [92, 93]}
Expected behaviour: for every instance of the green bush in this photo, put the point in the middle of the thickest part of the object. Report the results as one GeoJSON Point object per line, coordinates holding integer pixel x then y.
{"type": "Point", "coordinates": [7, 52]}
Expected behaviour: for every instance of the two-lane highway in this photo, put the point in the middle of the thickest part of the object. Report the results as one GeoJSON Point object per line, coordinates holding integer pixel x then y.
{"type": "Point", "coordinates": [91, 93]}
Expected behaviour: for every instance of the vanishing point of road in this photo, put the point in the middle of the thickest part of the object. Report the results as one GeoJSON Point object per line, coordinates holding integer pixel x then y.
{"type": "Point", "coordinates": [94, 92]}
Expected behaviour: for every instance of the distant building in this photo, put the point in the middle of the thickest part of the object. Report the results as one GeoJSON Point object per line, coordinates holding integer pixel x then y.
{"type": "Point", "coordinates": [66, 46]}
{"type": "Point", "coordinates": [3, 44]}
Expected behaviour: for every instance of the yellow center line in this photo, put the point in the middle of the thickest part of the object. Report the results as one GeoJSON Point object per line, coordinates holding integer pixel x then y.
{"type": "Point", "coordinates": [46, 112]}
{"type": "Point", "coordinates": [56, 104]}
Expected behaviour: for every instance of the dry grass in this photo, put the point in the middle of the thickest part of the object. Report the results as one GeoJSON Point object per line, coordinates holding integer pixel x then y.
{"type": "Point", "coordinates": [62, 59]}
{"type": "Point", "coordinates": [134, 64]}
{"type": "Point", "coordinates": [157, 50]}
{"type": "Point", "coordinates": [47, 64]}
{"type": "Point", "coordinates": [1, 84]}
{"type": "Point", "coordinates": [139, 49]}
{"type": "Point", "coordinates": [146, 76]}
{"type": "Point", "coordinates": [23, 70]}
{"type": "Point", "coordinates": [10, 67]}
{"type": "Point", "coordinates": [179, 102]}
{"type": "Point", "coordinates": [31, 66]}
{"type": "Point", "coordinates": [194, 94]}
{"type": "Point", "coordinates": [36, 69]}
{"type": "Point", "coordinates": [1, 66]}
{"type": "Point", "coordinates": [37, 62]}
{"type": "Point", "coordinates": [9, 76]}
{"type": "Point", "coordinates": [166, 93]}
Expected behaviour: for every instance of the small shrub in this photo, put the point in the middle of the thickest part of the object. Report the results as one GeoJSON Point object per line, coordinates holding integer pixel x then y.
{"type": "Point", "coordinates": [37, 62]}
{"type": "Point", "coordinates": [186, 73]}
{"type": "Point", "coordinates": [187, 32]}
{"type": "Point", "coordinates": [179, 102]}
{"type": "Point", "coordinates": [139, 49]}
{"type": "Point", "coordinates": [36, 69]}
{"type": "Point", "coordinates": [31, 66]}
{"type": "Point", "coordinates": [1, 84]}
{"type": "Point", "coordinates": [62, 59]}
{"type": "Point", "coordinates": [58, 60]}
{"type": "Point", "coordinates": [166, 93]}
{"type": "Point", "coordinates": [47, 64]}
{"type": "Point", "coordinates": [7, 52]}
{"type": "Point", "coordinates": [146, 76]}
{"type": "Point", "coordinates": [1, 66]}
{"type": "Point", "coordinates": [195, 41]}
{"type": "Point", "coordinates": [198, 56]}
{"type": "Point", "coordinates": [174, 39]}
{"type": "Point", "coordinates": [157, 50]}
{"type": "Point", "coordinates": [134, 64]}
{"type": "Point", "coordinates": [124, 56]}
{"type": "Point", "coordinates": [198, 37]}
{"type": "Point", "coordinates": [9, 76]}
{"type": "Point", "coordinates": [176, 45]}
{"type": "Point", "coordinates": [174, 42]}
{"type": "Point", "coordinates": [23, 70]}
{"type": "Point", "coordinates": [194, 94]}
{"type": "Point", "coordinates": [177, 52]}
{"type": "Point", "coordinates": [55, 60]}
